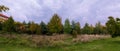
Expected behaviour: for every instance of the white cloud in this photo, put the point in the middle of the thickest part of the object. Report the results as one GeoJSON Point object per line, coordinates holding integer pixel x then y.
{"type": "Point", "coordinates": [22, 10]}
{"type": "Point", "coordinates": [54, 5]}
{"type": "Point", "coordinates": [80, 10]}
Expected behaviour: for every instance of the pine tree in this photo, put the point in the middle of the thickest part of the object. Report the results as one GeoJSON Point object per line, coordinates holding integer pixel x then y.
{"type": "Point", "coordinates": [73, 25]}
{"type": "Point", "coordinates": [86, 29]}
{"type": "Point", "coordinates": [67, 27]}
{"type": "Point", "coordinates": [44, 29]}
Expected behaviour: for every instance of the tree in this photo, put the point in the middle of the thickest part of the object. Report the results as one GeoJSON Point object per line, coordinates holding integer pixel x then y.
{"type": "Point", "coordinates": [117, 26]}
{"type": "Point", "coordinates": [3, 8]}
{"type": "Point", "coordinates": [73, 25]}
{"type": "Point", "coordinates": [27, 27]}
{"type": "Point", "coordinates": [55, 25]}
{"type": "Point", "coordinates": [1, 25]}
{"type": "Point", "coordinates": [104, 30]}
{"type": "Point", "coordinates": [67, 27]}
{"type": "Point", "coordinates": [77, 27]}
{"type": "Point", "coordinates": [98, 28]}
{"type": "Point", "coordinates": [74, 31]}
{"type": "Point", "coordinates": [91, 29]}
{"type": "Point", "coordinates": [43, 28]}
{"type": "Point", "coordinates": [113, 26]}
{"type": "Point", "coordinates": [33, 28]}
{"type": "Point", "coordinates": [19, 27]}
{"type": "Point", "coordinates": [38, 29]}
{"type": "Point", "coordinates": [86, 29]}
{"type": "Point", "coordinates": [8, 25]}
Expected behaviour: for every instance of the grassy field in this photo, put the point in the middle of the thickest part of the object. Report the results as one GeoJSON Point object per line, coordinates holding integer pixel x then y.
{"type": "Point", "coordinates": [111, 44]}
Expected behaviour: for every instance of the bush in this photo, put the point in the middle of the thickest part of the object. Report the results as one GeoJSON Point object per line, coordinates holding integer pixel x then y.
{"type": "Point", "coordinates": [74, 34]}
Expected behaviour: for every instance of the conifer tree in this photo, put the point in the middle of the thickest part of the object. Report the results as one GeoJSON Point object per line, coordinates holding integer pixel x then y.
{"type": "Point", "coordinates": [43, 28]}
{"type": "Point", "coordinates": [86, 29]}
{"type": "Point", "coordinates": [67, 27]}
{"type": "Point", "coordinates": [55, 25]}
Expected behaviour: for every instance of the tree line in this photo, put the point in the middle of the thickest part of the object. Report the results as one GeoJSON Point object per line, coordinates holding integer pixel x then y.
{"type": "Point", "coordinates": [55, 26]}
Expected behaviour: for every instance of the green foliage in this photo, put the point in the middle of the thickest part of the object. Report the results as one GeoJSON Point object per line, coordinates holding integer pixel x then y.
{"type": "Point", "coordinates": [92, 29]}
{"type": "Point", "coordinates": [3, 8]}
{"type": "Point", "coordinates": [74, 33]}
{"type": "Point", "coordinates": [113, 26]}
{"type": "Point", "coordinates": [44, 29]}
{"type": "Point", "coordinates": [38, 29]}
{"type": "Point", "coordinates": [77, 28]}
{"type": "Point", "coordinates": [73, 25]}
{"type": "Point", "coordinates": [1, 25]}
{"type": "Point", "coordinates": [55, 25]}
{"type": "Point", "coordinates": [67, 27]}
{"type": "Point", "coordinates": [8, 25]}
{"type": "Point", "coordinates": [86, 29]}
{"type": "Point", "coordinates": [33, 27]}
{"type": "Point", "coordinates": [98, 28]}
{"type": "Point", "coordinates": [19, 27]}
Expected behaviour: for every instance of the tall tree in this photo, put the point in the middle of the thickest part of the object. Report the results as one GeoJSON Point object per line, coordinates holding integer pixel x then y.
{"type": "Point", "coordinates": [91, 29]}
{"type": "Point", "coordinates": [86, 29]}
{"type": "Point", "coordinates": [55, 25]}
{"type": "Point", "coordinates": [28, 27]}
{"type": "Point", "coordinates": [74, 29]}
{"type": "Point", "coordinates": [77, 28]}
{"type": "Point", "coordinates": [44, 29]}
{"type": "Point", "coordinates": [67, 27]}
{"type": "Point", "coordinates": [9, 25]}
{"type": "Point", "coordinates": [73, 25]}
{"type": "Point", "coordinates": [33, 27]}
{"type": "Point", "coordinates": [118, 26]}
{"type": "Point", "coordinates": [113, 26]}
{"type": "Point", "coordinates": [98, 28]}
{"type": "Point", "coordinates": [38, 29]}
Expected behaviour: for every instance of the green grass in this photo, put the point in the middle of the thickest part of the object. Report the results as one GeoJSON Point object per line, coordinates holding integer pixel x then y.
{"type": "Point", "coordinates": [111, 44]}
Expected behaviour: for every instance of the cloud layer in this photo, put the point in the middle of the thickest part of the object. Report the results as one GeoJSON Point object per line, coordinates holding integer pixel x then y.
{"type": "Point", "coordinates": [90, 11]}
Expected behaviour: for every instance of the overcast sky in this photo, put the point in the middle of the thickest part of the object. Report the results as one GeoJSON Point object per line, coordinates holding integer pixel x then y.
{"type": "Point", "coordinates": [90, 11]}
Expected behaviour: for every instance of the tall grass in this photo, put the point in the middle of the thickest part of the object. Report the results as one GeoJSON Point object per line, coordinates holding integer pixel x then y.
{"type": "Point", "coordinates": [49, 41]}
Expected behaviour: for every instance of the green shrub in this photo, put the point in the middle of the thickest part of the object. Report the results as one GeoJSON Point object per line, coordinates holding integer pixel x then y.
{"type": "Point", "coordinates": [74, 34]}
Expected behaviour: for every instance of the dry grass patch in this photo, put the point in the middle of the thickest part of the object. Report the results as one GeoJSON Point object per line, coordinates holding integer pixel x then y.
{"type": "Point", "coordinates": [52, 41]}
{"type": "Point", "coordinates": [88, 38]}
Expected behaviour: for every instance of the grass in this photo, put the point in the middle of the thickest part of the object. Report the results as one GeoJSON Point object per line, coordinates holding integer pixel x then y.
{"type": "Point", "coordinates": [111, 44]}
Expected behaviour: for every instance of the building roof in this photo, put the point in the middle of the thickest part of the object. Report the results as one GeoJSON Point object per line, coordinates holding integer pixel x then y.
{"type": "Point", "coordinates": [4, 16]}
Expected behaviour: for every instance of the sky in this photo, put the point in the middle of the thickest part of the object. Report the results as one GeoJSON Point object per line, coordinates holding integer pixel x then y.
{"type": "Point", "coordinates": [90, 11]}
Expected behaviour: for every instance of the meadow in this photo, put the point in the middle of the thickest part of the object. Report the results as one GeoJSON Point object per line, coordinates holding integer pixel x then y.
{"type": "Point", "coordinates": [95, 43]}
